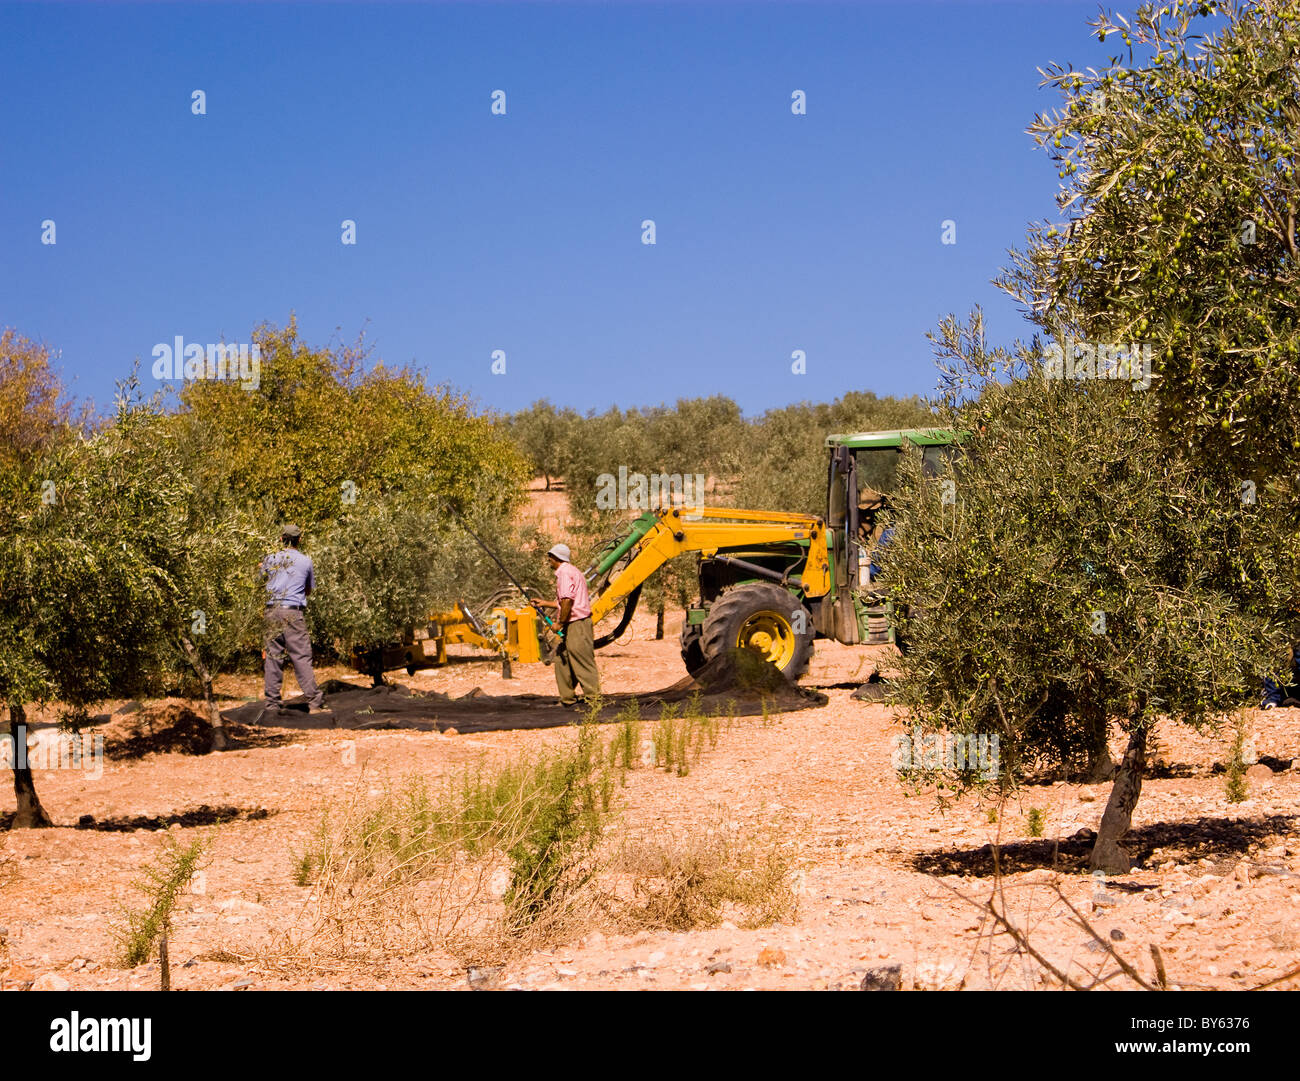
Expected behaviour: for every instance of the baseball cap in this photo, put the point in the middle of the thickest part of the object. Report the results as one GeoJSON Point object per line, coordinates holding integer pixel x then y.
{"type": "Point", "coordinates": [561, 552]}
{"type": "Point", "coordinates": [290, 531]}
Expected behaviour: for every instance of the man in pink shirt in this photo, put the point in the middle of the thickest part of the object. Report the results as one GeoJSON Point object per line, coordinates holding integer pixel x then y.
{"type": "Point", "coordinates": [575, 662]}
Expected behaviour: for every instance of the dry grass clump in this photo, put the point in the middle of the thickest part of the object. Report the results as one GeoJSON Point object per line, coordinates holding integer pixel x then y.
{"type": "Point", "coordinates": [418, 866]}
{"type": "Point", "coordinates": [720, 873]}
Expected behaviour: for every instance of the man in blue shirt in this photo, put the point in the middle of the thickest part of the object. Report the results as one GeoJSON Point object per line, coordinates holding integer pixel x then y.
{"type": "Point", "coordinates": [1275, 694]}
{"type": "Point", "coordinates": [290, 578]}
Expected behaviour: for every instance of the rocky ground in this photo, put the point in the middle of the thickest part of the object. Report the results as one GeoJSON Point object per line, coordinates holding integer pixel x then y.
{"type": "Point", "coordinates": [890, 889]}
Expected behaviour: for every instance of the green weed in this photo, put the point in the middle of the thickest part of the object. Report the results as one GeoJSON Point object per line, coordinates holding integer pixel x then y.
{"type": "Point", "coordinates": [139, 931]}
{"type": "Point", "coordinates": [1234, 781]}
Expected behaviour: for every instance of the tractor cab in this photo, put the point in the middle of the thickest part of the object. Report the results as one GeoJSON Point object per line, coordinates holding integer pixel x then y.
{"type": "Point", "coordinates": [862, 475]}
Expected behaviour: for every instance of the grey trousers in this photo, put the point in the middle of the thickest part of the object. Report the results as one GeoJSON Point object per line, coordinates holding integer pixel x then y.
{"type": "Point", "coordinates": [575, 664]}
{"type": "Point", "coordinates": [286, 635]}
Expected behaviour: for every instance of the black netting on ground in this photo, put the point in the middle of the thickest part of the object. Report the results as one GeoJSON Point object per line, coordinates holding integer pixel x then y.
{"type": "Point", "coordinates": [738, 684]}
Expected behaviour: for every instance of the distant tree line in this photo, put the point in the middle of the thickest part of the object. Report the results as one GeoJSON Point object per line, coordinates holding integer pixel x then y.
{"type": "Point", "coordinates": [773, 461]}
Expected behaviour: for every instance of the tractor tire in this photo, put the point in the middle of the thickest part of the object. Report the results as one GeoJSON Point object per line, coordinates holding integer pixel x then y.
{"type": "Point", "coordinates": [761, 617]}
{"type": "Point", "coordinates": [692, 637]}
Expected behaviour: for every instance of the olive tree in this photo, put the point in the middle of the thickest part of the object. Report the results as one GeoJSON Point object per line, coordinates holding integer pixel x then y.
{"type": "Point", "coordinates": [85, 552]}
{"type": "Point", "coordinates": [1071, 576]}
{"type": "Point", "coordinates": [368, 459]}
{"type": "Point", "coordinates": [326, 428]}
{"type": "Point", "coordinates": [1178, 194]}
{"type": "Point", "coordinates": [543, 434]}
{"type": "Point", "coordinates": [215, 613]}
{"type": "Point", "coordinates": [1174, 268]}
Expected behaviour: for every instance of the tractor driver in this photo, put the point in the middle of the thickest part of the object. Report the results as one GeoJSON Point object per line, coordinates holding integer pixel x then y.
{"type": "Point", "coordinates": [872, 534]}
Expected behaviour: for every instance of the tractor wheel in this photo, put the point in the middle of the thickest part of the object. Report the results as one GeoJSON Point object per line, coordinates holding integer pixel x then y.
{"type": "Point", "coordinates": [692, 648]}
{"type": "Point", "coordinates": [764, 618]}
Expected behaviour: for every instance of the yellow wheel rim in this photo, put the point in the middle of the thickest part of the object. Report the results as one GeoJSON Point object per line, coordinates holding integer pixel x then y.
{"type": "Point", "coordinates": [770, 635]}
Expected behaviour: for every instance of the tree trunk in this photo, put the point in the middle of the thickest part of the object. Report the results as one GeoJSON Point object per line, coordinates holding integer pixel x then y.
{"type": "Point", "coordinates": [219, 740]}
{"type": "Point", "coordinates": [1107, 855]}
{"type": "Point", "coordinates": [31, 814]}
{"type": "Point", "coordinates": [659, 623]}
{"type": "Point", "coordinates": [1101, 767]}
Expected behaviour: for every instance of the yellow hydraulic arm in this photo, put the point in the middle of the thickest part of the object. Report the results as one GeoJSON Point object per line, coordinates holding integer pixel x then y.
{"type": "Point", "coordinates": [675, 530]}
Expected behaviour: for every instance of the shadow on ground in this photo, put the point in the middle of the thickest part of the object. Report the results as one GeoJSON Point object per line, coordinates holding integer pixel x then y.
{"type": "Point", "coordinates": [1223, 840]}
{"type": "Point", "coordinates": [197, 816]}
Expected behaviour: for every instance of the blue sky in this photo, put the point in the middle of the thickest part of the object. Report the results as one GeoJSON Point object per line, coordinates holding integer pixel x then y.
{"type": "Point", "coordinates": [522, 232]}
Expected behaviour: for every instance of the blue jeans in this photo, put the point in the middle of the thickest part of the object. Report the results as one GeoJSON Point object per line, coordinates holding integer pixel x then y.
{"type": "Point", "coordinates": [1276, 694]}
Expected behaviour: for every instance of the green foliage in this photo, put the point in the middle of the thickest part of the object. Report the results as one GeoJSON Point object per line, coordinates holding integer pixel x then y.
{"type": "Point", "coordinates": [138, 932]}
{"type": "Point", "coordinates": [90, 572]}
{"type": "Point", "coordinates": [544, 435]}
{"type": "Point", "coordinates": [1234, 781]}
{"type": "Point", "coordinates": [1177, 160]}
{"type": "Point", "coordinates": [1102, 559]}
{"type": "Point", "coordinates": [1082, 573]}
{"type": "Point", "coordinates": [680, 736]}
{"type": "Point", "coordinates": [623, 748]}
{"type": "Point", "coordinates": [303, 868]}
{"type": "Point", "coordinates": [385, 565]}
{"type": "Point", "coordinates": [552, 861]}
{"type": "Point", "coordinates": [665, 736]}
{"type": "Point", "coordinates": [219, 594]}
{"type": "Point", "coordinates": [1035, 822]}
{"type": "Point", "coordinates": [320, 431]}
{"type": "Point", "coordinates": [370, 463]}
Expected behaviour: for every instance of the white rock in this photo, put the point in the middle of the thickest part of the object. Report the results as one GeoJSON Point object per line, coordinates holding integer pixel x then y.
{"type": "Point", "coordinates": [936, 975]}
